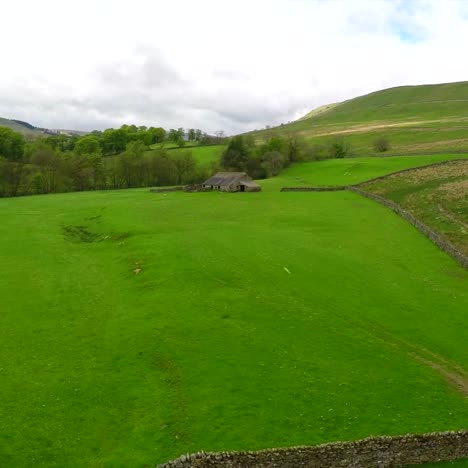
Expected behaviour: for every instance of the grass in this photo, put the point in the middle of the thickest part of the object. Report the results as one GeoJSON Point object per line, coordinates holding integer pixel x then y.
{"type": "Point", "coordinates": [414, 119]}
{"type": "Point", "coordinates": [204, 155]}
{"type": "Point", "coordinates": [172, 145]}
{"type": "Point", "coordinates": [17, 127]}
{"type": "Point", "coordinates": [139, 326]}
{"type": "Point", "coordinates": [349, 171]}
{"type": "Point", "coordinates": [438, 196]}
{"type": "Point", "coordinates": [458, 464]}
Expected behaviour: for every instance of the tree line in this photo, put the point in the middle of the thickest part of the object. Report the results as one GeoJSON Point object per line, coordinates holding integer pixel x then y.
{"type": "Point", "coordinates": [119, 158]}
{"type": "Point", "coordinates": [112, 159]}
{"type": "Point", "coordinates": [266, 159]}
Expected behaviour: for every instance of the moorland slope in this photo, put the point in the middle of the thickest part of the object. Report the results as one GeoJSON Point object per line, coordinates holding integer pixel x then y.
{"type": "Point", "coordinates": [414, 119]}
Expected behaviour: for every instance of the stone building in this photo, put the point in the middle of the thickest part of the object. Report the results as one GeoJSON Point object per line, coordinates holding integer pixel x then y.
{"type": "Point", "coordinates": [232, 182]}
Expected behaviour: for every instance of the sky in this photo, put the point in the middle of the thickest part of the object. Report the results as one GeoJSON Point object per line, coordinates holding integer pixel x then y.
{"type": "Point", "coordinates": [231, 65]}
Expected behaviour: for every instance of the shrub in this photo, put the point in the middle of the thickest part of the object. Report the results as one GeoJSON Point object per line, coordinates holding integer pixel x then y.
{"type": "Point", "coordinates": [381, 145]}
{"type": "Point", "coordinates": [339, 149]}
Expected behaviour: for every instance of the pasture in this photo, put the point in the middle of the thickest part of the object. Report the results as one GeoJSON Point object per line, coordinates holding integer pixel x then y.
{"type": "Point", "coordinates": [139, 326]}
{"type": "Point", "coordinates": [333, 172]}
{"type": "Point", "coordinates": [204, 155]}
{"type": "Point", "coordinates": [438, 196]}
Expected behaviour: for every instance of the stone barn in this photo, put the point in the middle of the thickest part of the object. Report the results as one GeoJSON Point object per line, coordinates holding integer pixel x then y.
{"type": "Point", "coordinates": [232, 182]}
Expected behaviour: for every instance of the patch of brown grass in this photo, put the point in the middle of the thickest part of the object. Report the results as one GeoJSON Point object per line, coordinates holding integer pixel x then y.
{"type": "Point", "coordinates": [455, 190]}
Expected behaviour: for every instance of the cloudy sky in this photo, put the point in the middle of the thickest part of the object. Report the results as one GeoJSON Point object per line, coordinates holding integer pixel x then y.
{"type": "Point", "coordinates": [230, 65]}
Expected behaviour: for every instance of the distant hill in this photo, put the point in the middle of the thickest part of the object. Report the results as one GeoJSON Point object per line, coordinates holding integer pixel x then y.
{"type": "Point", "coordinates": [25, 128]}
{"type": "Point", "coordinates": [414, 119]}
{"type": "Point", "coordinates": [30, 131]}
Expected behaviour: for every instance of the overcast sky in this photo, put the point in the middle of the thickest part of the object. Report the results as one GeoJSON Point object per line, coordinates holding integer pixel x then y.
{"type": "Point", "coordinates": [230, 65]}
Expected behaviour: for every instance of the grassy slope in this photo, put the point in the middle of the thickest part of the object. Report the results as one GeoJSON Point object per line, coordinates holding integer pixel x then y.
{"type": "Point", "coordinates": [415, 119]}
{"type": "Point", "coordinates": [438, 196]}
{"type": "Point", "coordinates": [457, 464]}
{"type": "Point", "coordinates": [349, 171]}
{"type": "Point", "coordinates": [204, 155]}
{"type": "Point", "coordinates": [19, 128]}
{"type": "Point", "coordinates": [251, 312]}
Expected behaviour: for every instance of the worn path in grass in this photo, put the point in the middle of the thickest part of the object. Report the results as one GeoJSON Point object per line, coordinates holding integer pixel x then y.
{"type": "Point", "coordinates": [255, 320]}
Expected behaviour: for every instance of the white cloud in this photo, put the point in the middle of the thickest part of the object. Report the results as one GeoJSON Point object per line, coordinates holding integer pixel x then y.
{"type": "Point", "coordinates": [232, 65]}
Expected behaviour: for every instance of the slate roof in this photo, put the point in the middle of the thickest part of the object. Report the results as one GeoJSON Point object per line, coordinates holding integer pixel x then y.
{"type": "Point", "coordinates": [226, 178]}
{"type": "Point", "coordinates": [249, 183]}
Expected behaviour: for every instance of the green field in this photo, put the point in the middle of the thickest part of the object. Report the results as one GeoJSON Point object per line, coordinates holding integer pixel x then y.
{"type": "Point", "coordinates": [139, 326]}
{"type": "Point", "coordinates": [204, 155]}
{"type": "Point", "coordinates": [438, 196]}
{"type": "Point", "coordinates": [349, 171]}
{"type": "Point", "coordinates": [414, 119]}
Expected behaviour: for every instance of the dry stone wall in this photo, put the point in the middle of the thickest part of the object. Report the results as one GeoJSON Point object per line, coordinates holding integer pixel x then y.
{"type": "Point", "coordinates": [166, 189]}
{"type": "Point", "coordinates": [445, 245]}
{"type": "Point", "coordinates": [375, 452]}
{"type": "Point", "coordinates": [315, 189]}
{"type": "Point", "coordinates": [442, 243]}
{"type": "Point", "coordinates": [346, 187]}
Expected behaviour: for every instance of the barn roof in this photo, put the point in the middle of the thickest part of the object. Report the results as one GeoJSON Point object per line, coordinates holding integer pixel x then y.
{"type": "Point", "coordinates": [249, 183]}
{"type": "Point", "coordinates": [225, 178]}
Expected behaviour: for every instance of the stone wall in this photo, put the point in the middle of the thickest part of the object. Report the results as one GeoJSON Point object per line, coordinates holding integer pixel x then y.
{"type": "Point", "coordinates": [445, 245]}
{"type": "Point", "coordinates": [346, 187]}
{"type": "Point", "coordinates": [410, 169]}
{"type": "Point", "coordinates": [315, 189]}
{"type": "Point", "coordinates": [166, 189]}
{"type": "Point", "coordinates": [442, 243]}
{"type": "Point", "coordinates": [372, 452]}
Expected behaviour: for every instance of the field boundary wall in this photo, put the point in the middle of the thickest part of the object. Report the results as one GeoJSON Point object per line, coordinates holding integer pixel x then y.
{"type": "Point", "coordinates": [381, 452]}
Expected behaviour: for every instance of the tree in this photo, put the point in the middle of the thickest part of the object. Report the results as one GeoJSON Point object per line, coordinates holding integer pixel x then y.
{"type": "Point", "coordinates": [236, 155]}
{"type": "Point", "coordinates": [157, 135]}
{"type": "Point", "coordinates": [381, 144]}
{"type": "Point", "coordinates": [173, 135]}
{"type": "Point", "coordinates": [164, 169]}
{"type": "Point", "coordinates": [11, 144]}
{"type": "Point", "coordinates": [192, 134]}
{"type": "Point", "coordinates": [114, 141]}
{"type": "Point", "coordinates": [273, 163]}
{"type": "Point", "coordinates": [220, 135]}
{"type": "Point", "coordinates": [47, 162]}
{"type": "Point", "coordinates": [177, 136]}
{"type": "Point", "coordinates": [131, 167]}
{"type": "Point", "coordinates": [295, 148]}
{"type": "Point", "coordinates": [88, 144]}
{"type": "Point", "coordinates": [338, 148]}
{"type": "Point", "coordinates": [185, 166]}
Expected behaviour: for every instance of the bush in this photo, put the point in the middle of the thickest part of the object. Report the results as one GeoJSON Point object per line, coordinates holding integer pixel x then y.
{"type": "Point", "coordinates": [339, 149]}
{"type": "Point", "coordinates": [381, 145]}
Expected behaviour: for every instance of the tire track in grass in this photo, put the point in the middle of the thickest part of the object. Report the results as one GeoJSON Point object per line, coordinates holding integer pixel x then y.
{"type": "Point", "coordinates": [172, 379]}
{"type": "Point", "coordinates": [452, 373]}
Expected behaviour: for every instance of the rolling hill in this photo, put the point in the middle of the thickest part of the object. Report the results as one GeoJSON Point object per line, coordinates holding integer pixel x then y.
{"type": "Point", "coordinates": [30, 131]}
{"type": "Point", "coordinates": [24, 128]}
{"type": "Point", "coordinates": [414, 119]}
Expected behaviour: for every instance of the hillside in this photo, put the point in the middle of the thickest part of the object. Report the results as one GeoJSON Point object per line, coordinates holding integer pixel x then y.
{"type": "Point", "coordinates": [437, 195]}
{"type": "Point", "coordinates": [26, 129]}
{"type": "Point", "coordinates": [30, 131]}
{"type": "Point", "coordinates": [414, 119]}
